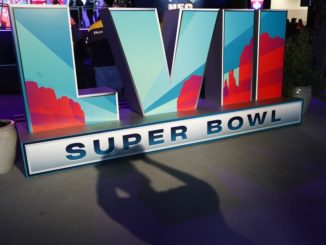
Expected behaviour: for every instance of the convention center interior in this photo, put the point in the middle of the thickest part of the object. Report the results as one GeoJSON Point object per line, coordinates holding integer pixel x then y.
{"type": "Point", "coordinates": [163, 122]}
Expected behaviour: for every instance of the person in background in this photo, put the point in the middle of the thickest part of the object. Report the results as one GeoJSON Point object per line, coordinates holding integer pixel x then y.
{"type": "Point", "coordinates": [288, 26]}
{"type": "Point", "coordinates": [76, 11]}
{"type": "Point", "coordinates": [300, 25]}
{"type": "Point", "coordinates": [293, 30]}
{"type": "Point", "coordinates": [91, 11]}
{"type": "Point", "coordinates": [106, 72]}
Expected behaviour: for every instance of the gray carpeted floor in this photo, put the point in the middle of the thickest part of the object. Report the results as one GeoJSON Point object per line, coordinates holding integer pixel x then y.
{"type": "Point", "coordinates": [263, 188]}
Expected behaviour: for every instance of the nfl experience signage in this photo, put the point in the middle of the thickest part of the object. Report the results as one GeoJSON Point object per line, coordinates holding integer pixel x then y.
{"type": "Point", "coordinates": [239, 52]}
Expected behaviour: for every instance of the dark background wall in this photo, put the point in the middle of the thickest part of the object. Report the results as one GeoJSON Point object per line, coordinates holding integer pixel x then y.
{"type": "Point", "coordinates": [162, 5]}
{"type": "Point", "coordinates": [203, 3]}
{"type": "Point", "coordinates": [199, 3]}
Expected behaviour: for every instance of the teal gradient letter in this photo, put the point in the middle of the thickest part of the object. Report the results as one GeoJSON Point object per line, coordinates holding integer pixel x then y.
{"type": "Point", "coordinates": [160, 86]}
{"type": "Point", "coordinates": [47, 69]}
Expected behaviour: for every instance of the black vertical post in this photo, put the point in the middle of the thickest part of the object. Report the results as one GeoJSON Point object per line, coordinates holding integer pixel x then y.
{"type": "Point", "coordinates": [214, 65]}
{"type": "Point", "coordinates": [255, 65]}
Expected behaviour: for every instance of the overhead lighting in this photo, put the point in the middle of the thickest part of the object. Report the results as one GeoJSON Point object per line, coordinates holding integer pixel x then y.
{"type": "Point", "coordinates": [257, 4]}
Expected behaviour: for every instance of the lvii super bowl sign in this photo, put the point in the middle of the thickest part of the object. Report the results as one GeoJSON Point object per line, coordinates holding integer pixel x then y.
{"type": "Point", "coordinates": [236, 55]}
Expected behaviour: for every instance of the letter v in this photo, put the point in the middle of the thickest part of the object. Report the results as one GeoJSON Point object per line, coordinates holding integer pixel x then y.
{"type": "Point", "coordinates": [160, 77]}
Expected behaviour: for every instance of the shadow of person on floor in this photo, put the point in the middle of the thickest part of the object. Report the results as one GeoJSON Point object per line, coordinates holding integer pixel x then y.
{"type": "Point", "coordinates": [188, 214]}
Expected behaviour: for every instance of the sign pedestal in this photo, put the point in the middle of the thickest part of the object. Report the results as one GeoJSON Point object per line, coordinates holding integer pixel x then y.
{"type": "Point", "coordinates": [71, 147]}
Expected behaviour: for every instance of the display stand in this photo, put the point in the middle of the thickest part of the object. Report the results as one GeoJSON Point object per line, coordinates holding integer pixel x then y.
{"type": "Point", "coordinates": [133, 134]}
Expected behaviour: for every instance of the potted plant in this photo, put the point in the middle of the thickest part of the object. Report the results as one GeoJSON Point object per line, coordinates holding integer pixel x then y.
{"type": "Point", "coordinates": [8, 141]}
{"type": "Point", "coordinates": [300, 80]}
